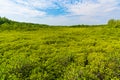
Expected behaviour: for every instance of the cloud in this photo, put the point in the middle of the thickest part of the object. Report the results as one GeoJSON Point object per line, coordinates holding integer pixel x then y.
{"type": "Point", "coordinates": [7, 7]}
{"type": "Point", "coordinates": [92, 8]}
{"type": "Point", "coordinates": [40, 4]}
{"type": "Point", "coordinates": [61, 12]}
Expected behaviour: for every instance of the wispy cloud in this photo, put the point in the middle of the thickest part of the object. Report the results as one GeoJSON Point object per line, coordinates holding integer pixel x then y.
{"type": "Point", "coordinates": [92, 8]}
{"type": "Point", "coordinates": [61, 12]}
{"type": "Point", "coordinates": [7, 7]}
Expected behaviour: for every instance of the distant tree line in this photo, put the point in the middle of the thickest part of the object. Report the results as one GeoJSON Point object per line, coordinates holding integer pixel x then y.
{"type": "Point", "coordinates": [6, 24]}
{"type": "Point", "coordinates": [84, 25]}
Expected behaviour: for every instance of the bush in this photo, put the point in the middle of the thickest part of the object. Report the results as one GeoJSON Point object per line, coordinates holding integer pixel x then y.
{"type": "Point", "coordinates": [114, 23]}
{"type": "Point", "coordinates": [4, 20]}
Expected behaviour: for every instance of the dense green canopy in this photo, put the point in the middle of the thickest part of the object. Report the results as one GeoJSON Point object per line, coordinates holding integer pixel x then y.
{"type": "Point", "coordinates": [41, 52]}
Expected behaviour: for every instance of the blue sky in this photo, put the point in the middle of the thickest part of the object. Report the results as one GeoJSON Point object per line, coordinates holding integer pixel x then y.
{"type": "Point", "coordinates": [61, 12]}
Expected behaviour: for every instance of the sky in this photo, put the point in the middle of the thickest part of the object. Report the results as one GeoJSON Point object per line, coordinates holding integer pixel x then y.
{"type": "Point", "coordinates": [61, 12]}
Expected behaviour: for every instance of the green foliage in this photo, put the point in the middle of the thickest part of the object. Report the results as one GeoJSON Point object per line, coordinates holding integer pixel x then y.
{"type": "Point", "coordinates": [4, 20]}
{"type": "Point", "coordinates": [33, 52]}
{"type": "Point", "coordinates": [83, 26]}
{"type": "Point", "coordinates": [114, 23]}
{"type": "Point", "coordinates": [6, 24]}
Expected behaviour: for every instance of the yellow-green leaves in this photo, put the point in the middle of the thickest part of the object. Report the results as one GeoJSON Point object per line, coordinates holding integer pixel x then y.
{"type": "Point", "coordinates": [60, 53]}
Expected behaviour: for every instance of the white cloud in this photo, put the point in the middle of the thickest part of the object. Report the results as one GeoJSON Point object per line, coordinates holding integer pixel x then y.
{"type": "Point", "coordinates": [8, 7]}
{"type": "Point", "coordinates": [93, 8]}
{"type": "Point", "coordinates": [79, 11]}
{"type": "Point", "coordinates": [40, 4]}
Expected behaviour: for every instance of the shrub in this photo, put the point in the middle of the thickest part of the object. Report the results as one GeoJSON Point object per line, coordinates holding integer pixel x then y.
{"type": "Point", "coordinates": [114, 23]}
